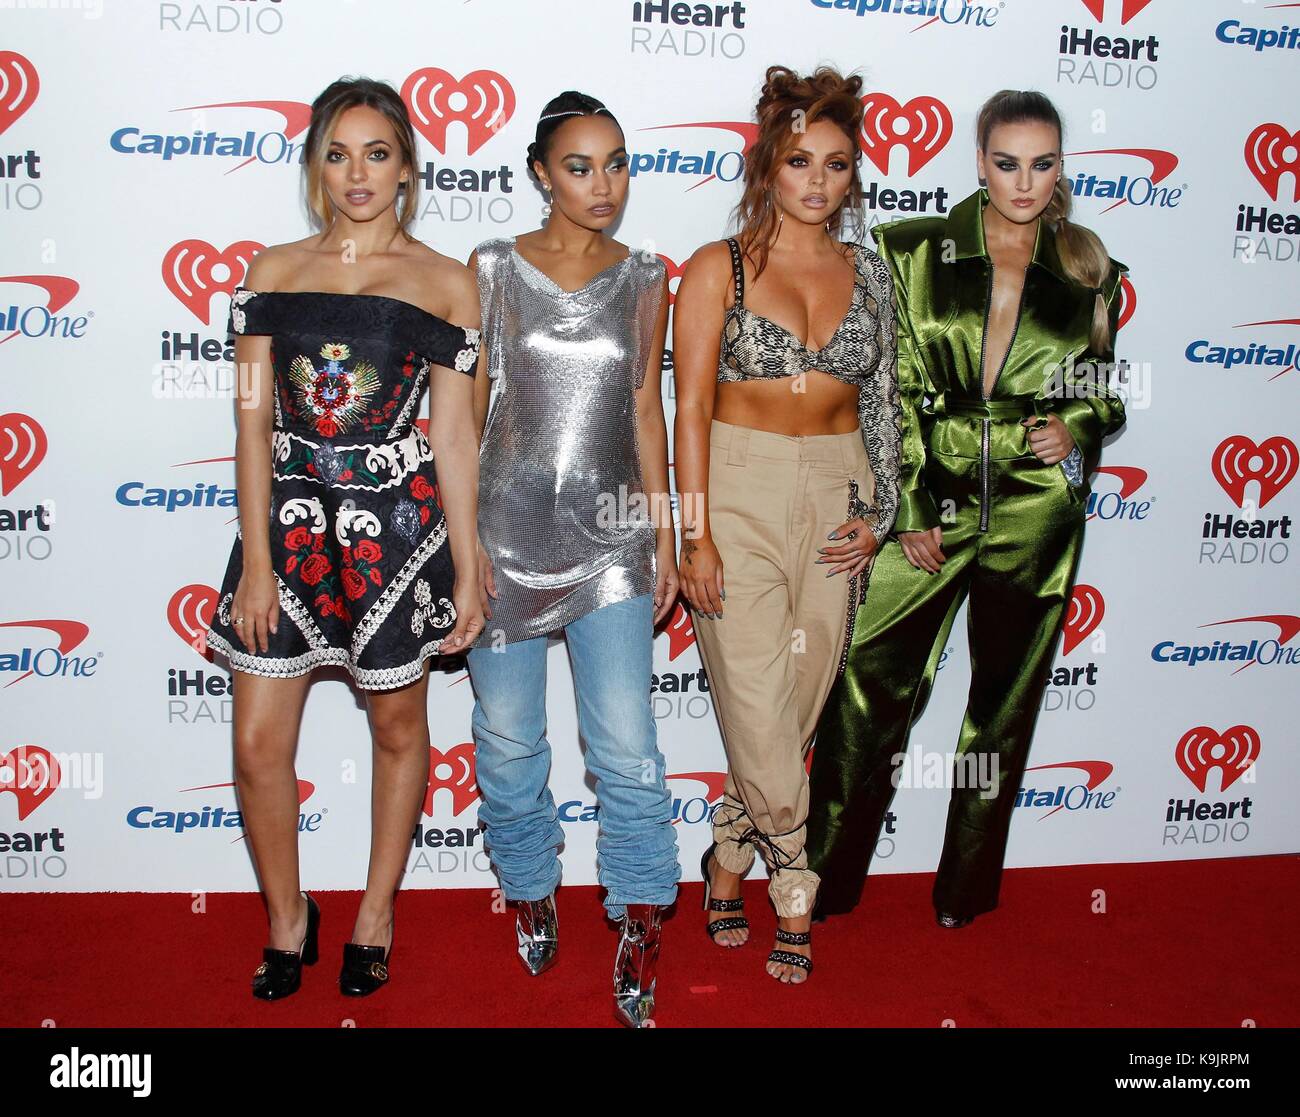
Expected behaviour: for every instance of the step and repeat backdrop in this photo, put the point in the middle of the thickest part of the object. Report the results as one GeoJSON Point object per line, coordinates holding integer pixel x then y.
{"type": "Point", "coordinates": [149, 150]}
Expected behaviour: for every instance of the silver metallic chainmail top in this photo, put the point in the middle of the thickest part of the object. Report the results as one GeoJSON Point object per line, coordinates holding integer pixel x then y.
{"type": "Point", "coordinates": [560, 512]}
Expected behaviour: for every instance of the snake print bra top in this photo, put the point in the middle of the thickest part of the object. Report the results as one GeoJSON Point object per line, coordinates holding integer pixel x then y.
{"type": "Point", "coordinates": [862, 351]}
{"type": "Point", "coordinates": [756, 348]}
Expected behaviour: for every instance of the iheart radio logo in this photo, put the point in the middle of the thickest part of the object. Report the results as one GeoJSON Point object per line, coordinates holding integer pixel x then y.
{"type": "Point", "coordinates": [22, 449]}
{"type": "Point", "coordinates": [1084, 614]}
{"type": "Point", "coordinates": [189, 612]}
{"type": "Point", "coordinates": [1271, 151]}
{"type": "Point", "coordinates": [1128, 302]}
{"type": "Point", "coordinates": [923, 127]}
{"type": "Point", "coordinates": [483, 101]}
{"type": "Point", "coordinates": [1272, 464]}
{"type": "Point", "coordinates": [1232, 752]}
{"type": "Point", "coordinates": [19, 86]}
{"type": "Point", "coordinates": [453, 771]}
{"type": "Point", "coordinates": [59, 291]}
{"type": "Point", "coordinates": [1128, 10]}
{"type": "Point", "coordinates": [31, 774]}
{"type": "Point", "coordinates": [680, 630]}
{"type": "Point", "coordinates": [194, 269]}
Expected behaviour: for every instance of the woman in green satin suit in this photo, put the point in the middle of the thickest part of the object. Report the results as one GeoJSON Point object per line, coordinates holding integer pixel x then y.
{"type": "Point", "coordinates": [1006, 319]}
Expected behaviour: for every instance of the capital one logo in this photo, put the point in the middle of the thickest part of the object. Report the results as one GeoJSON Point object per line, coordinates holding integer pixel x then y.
{"type": "Point", "coordinates": [1127, 9]}
{"type": "Point", "coordinates": [194, 269]}
{"type": "Point", "coordinates": [19, 86]}
{"type": "Point", "coordinates": [31, 775]}
{"type": "Point", "coordinates": [452, 771]}
{"type": "Point", "coordinates": [22, 449]}
{"type": "Point", "coordinates": [1203, 749]}
{"type": "Point", "coordinates": [922, 127]}
{"type": "Point", "coordinates": [680, 630]}
{"type": "Point", "coordinates": [1272, 151]}
{"type": "Point", "coordinates": [59, 291]}
{"type": "Point", "coordinates": [1238, 460]}
{"type": "Point", "coordinates": [483, 101]}
{"type": "Point", "coordinates": [189, 612]}
{"type": "Point", "coordinates": [50, 660]}
{"type": "Point", "coordinates": [1082, 616]}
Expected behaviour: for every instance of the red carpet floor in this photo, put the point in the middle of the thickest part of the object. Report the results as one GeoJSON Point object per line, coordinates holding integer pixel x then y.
{"type": "Point", "coordinates": [1182, 944]}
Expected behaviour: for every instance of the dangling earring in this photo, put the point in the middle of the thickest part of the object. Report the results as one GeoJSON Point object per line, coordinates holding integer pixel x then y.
{"type": "Point", "coordinates": [546, 208]}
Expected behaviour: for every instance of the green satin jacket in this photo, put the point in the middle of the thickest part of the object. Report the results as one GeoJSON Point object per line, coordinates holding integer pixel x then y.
{"type": "Point", "coordinates": [943, 279]}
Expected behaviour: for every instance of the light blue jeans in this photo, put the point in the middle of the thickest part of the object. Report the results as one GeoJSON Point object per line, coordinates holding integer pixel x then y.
{"type": "Point", "coordinates": [610, 651]}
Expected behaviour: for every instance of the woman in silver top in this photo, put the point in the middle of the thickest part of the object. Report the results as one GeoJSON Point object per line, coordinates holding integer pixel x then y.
{"type": "Point", "coordinates": [577, 535]}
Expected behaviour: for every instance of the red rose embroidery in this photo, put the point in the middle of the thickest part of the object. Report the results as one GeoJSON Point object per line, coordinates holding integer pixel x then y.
{"type": "Point", "coordinates": [420, 488]}
{"type": "Point", "coordinates": [326, 427]}
{"type": "Point", "coordinates": [369, 551]}
{"type": "Point", "coordinates": [346, 475]}
{"type": "Point", "coordinates": [291, 563]}
{"type": "Point", "coordinates": [375, 577]}
{"type": "Point", "coordinates": [315, 568]}
{"type": "Point", "coordinates": [297, 538]}
{"type": "Point", "coordinates": [424, 514]}
{"type": "Point", "coordinates": [353, 584]}
{"type": "Point", "coordinates": [318, 542]}
{"type": "Point", "coordinates": [341, 608]}
{"type": "Point", "coordinates": [325, 604]}
{"type": "Point", "coordinates": [347, 556]}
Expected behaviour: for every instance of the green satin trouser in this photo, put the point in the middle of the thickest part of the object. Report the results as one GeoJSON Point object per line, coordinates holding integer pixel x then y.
{"type": "Point", "coordinates": [1018, 576]}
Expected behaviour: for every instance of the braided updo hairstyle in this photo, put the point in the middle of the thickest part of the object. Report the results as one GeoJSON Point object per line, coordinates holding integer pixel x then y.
{"type": "Point", "coordinates": [786, 99]}
{"type": "Point", "coordinates": [558, 109]}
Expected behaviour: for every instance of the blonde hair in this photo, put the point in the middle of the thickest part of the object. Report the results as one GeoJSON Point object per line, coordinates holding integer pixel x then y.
{"type": "Point", "coordinates": [337, 98]}
{"type": "Point", "coordinates": [1083, 256]}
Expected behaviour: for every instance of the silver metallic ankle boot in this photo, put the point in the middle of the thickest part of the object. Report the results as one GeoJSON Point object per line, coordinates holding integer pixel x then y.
{"type": "Point", "coordinates": [538, 929]}
{"type": "Point", "coordinates": [635, 963]}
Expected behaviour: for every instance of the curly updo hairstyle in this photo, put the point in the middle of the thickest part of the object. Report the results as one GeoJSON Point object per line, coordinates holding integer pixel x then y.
{"type": "Point", "coordinates": [558, 109]}
{"type": "Point", "coordinates": [786, 107]}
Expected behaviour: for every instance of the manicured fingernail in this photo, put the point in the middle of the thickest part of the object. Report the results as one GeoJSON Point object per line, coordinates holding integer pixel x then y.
{"type": "Point", "coordinates": [832, 536]}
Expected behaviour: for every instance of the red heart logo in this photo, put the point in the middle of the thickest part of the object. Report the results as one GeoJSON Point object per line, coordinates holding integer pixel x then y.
{"type": "Point", "coordinates": [1267, 157]}
{"type": "Point", "coordinates": [188, 269]}
{"type": "Point", "coordinates": [19, 86]}
{"type": "Point", "coordinates": [1084, 614]}
{"type": "Point", "coordinates": [923, 126]}
{"type": "Point", "coordinates": [22, 449]}
{"type": "Point", "coordinates": [452, 770]}
{"type": "Point", "coordinates": [1232, 752]}
{"type": "Point", "coordinates": [189, 612]}
{"type": "Point", "coordinates": [1237, 460]}
{"type": "Point", "coordinates": [674, 272]}
{"type": "Point", "coordinates": [31, 774]}
{"type": "Point", "coordinates": [482, 100]}
{"type": "Point", "coordinates": [1128, 302]}
{"type": "Point", "coordinates": [1129, 10]}
{"type": "Point", "coordinates": [680, 630]}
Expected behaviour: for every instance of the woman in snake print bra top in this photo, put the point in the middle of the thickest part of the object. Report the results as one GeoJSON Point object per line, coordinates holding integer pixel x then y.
{"type": "Point", "coordinates": [785, 499]}
{"type": "Point", "coordinates": [860, 352]}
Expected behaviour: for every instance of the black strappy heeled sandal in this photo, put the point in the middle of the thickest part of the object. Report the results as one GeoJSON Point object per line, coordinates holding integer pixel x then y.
{"type": "Point", "coordinates": [789, 957]}
{"type": "Point", "coordinates": [728, 923]}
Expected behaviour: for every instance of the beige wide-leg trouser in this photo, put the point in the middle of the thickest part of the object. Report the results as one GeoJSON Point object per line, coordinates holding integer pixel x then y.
{"type": "Point", "coordinates": [773, 655]}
